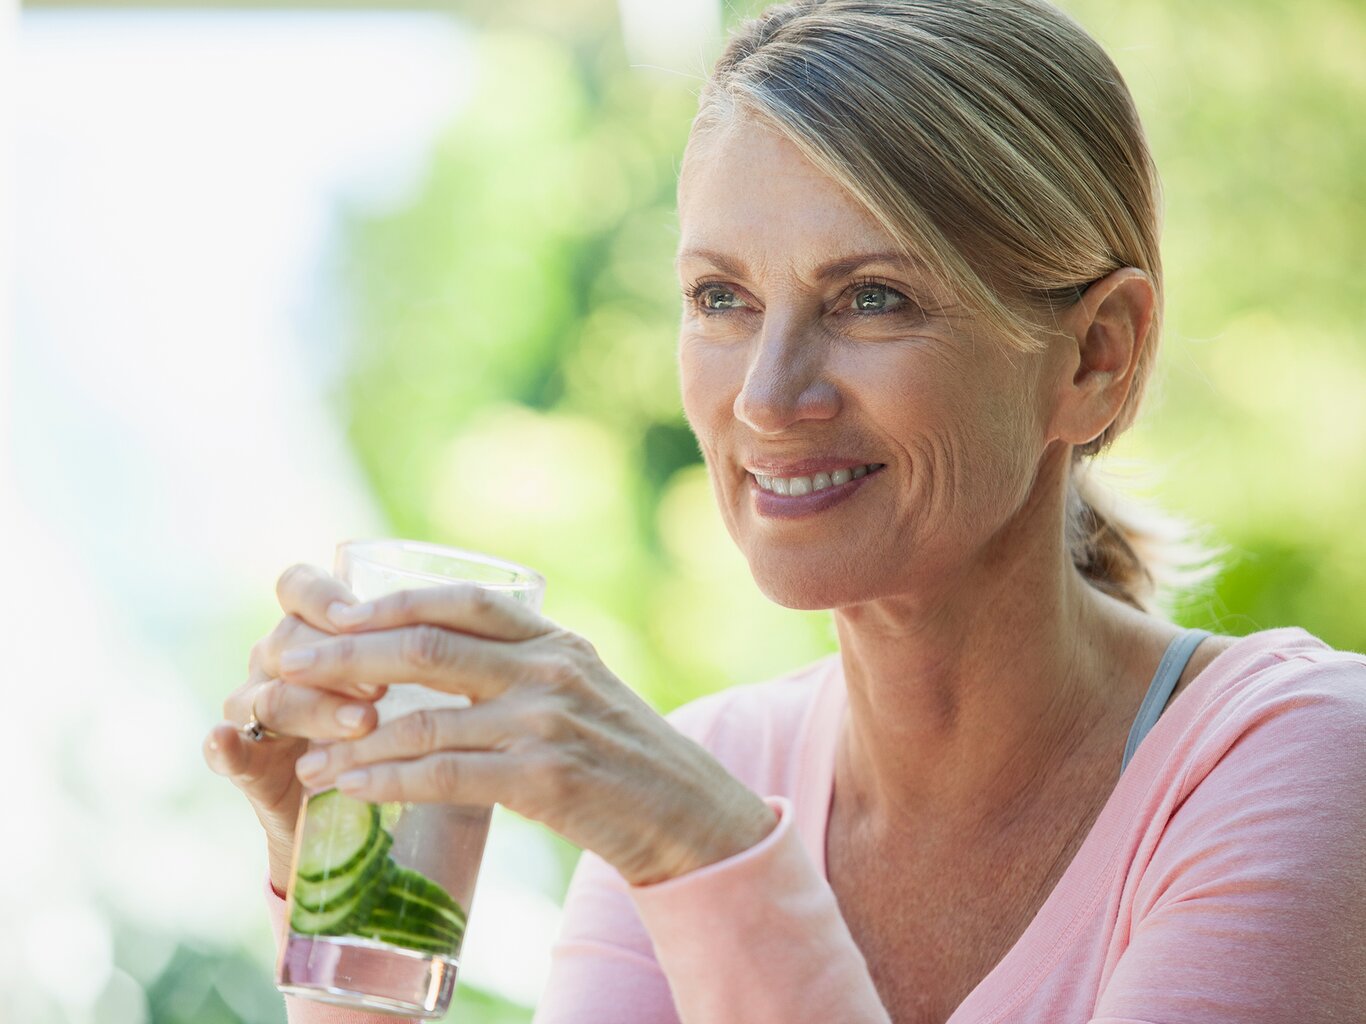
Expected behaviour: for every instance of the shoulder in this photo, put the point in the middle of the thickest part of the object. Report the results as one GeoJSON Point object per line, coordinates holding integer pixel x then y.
{"type": "Point", "coordinates": [1265, 798]}
{"type": "Point", "coordinates": [1278, 691]}
{"type": "Point", "coordinates": [1287, 667]}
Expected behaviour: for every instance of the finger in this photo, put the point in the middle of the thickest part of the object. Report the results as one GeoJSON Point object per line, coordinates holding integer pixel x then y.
{"type": "Point", "coordinates": [304, 711]}
{"type": "Point", "coordinates": [484, 726]}
{"type": "Point", "coordinates": [263, 771]}
{"type": "Point", "coordinates": [223, 751]}
{"type": "Point", "coordinates": [471, 778]}
{"type": "Point", "coordinates": [465, 607]}
{"type": "Point", "coordinates": [307, 591]}
{"type": "Point", "coordinates": [227, 752]}
{"type": "Point", "coordinates": [291, 632]}
{"type": "Point", "coordinates": [437, 657]}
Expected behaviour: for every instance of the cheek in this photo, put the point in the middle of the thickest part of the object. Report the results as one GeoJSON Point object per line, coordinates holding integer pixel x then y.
{"type": "Point", "coordinates": [969, 451]}
{"type": "Point", "coordinates": [1007, 462]}
{"type": "Point", "coordinates": [708, 388]}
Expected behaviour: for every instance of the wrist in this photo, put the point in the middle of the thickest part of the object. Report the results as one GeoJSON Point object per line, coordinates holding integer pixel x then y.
{"type": "Point", "coordinates": [744, 829]}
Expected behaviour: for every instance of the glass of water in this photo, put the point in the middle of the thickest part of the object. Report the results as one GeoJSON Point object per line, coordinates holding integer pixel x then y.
{"type": "Point", "coordinates": [379, 893]}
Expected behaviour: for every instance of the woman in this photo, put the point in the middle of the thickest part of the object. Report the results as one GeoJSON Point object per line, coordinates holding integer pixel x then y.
{"type": "Point", "coordinates": [919, 252]}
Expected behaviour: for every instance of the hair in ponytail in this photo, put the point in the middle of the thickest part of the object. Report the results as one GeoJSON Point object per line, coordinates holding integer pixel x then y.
{"type": "Point", "coordinates": [998, 142]}
{"type": "Point", "coordinates": [1134, 552]}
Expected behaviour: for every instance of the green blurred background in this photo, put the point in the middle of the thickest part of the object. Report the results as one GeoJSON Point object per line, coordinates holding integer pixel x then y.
{"type": "Point", "coordinates": [503, 335]}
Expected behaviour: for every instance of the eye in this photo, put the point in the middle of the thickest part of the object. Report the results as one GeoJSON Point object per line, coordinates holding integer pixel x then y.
{"type": "Point", "coordinates": [711, 297]}
{"type": "Point", "coordinates": [874, 297]}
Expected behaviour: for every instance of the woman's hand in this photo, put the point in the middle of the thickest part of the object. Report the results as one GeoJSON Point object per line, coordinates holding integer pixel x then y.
{"type": "Point", "coordinates": [264, 771]}
{"type": "Point", "coordinates": [551, 733]}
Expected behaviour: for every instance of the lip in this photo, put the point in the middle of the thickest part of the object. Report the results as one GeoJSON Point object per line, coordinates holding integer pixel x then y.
{"type": "Point", "coordinates": [805, 467]}
{"type": "Point", "coordinates": [784, 506]}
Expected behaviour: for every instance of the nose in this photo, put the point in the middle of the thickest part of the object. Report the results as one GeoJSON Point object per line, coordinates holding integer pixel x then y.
{"type": "Point", "coordinates": [787, 381]}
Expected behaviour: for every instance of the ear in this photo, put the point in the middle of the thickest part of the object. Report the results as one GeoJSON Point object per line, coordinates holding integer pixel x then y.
{"type": "Point", "coordinates": [1105, 333]}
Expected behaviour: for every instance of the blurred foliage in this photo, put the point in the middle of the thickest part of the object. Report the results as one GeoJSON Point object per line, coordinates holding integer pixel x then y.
{"type": "Point", "coordinates": [203, 985]}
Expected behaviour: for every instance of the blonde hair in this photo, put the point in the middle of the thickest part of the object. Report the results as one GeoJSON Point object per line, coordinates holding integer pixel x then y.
{"type": "Point", "coordinates": [998, 143]}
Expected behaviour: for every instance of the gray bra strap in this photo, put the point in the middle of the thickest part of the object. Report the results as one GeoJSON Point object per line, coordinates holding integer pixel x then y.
{"type": "Point", "coordinates": [1169, 670]}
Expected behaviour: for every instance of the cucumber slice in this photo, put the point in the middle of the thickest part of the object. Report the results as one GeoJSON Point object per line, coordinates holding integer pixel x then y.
{"type": "Point", "coordinates": [343, 916]}
{"type": "Point", "coordinates": [410, 886]}
{"type": "Point", "coordinates": [399, 936]}
{"type": "Point", "coordinates": [340, 888]}
{"type": "Point", "coordinates": [408, 940]}
{"type": "Point", "coordinates": [335, 920]}
{"type": "Point", "coordinates": [338, 832]}
{"type": "Point", "coordinates": [414, 912]}
{"type": "Point", "coordinates": [417, 920]}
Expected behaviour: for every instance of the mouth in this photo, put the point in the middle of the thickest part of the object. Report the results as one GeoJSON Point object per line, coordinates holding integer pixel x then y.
{"type": "Point", "coordinates": [800, 486]}
{"type": "Point", "coordinates": [771, 504]}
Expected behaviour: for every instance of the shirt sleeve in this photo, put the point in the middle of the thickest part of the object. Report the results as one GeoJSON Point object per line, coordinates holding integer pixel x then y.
{"type": "Point", "coordinates": [1253, 907]}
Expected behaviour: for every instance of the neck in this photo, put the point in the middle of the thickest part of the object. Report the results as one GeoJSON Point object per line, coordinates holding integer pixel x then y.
{"type": "Point", "coordinates": [966, 696]}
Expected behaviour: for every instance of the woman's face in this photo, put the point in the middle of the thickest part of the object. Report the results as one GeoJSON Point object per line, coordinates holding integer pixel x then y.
{"type": "Point", "coordinates": [805, 340]}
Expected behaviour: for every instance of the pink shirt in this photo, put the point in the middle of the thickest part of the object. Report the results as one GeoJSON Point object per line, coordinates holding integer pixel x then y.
{"type": "Point", "coordinates": [1224, 881]}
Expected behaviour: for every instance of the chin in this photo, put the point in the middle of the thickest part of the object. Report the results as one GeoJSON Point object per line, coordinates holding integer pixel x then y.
{"type": "Point", "coordinates": [812, 589]}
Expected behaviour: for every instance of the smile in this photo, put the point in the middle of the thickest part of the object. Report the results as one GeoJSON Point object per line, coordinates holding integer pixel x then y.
{"type": "Point", "coordinates": [808, 499]}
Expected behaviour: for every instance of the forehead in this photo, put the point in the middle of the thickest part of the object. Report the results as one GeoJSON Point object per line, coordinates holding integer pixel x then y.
{"type": "Point", "coordinates": [748, 191]}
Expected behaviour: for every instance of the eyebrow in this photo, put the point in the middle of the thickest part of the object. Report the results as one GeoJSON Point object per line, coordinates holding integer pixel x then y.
{"type": "Point", "coordinates": [836, 268]}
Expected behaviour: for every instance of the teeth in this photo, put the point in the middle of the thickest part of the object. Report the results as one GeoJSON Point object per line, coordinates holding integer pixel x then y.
{"type": "Point", "coordinates": [796, 486]}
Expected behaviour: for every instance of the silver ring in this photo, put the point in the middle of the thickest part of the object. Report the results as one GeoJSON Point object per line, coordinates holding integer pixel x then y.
{"type": "Point", "coordinates": [253, 730]}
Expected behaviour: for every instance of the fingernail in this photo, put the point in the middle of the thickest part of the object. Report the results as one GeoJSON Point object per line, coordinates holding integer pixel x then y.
{"type": "Point", "coordinates": [353, 780]}
{"type": "Point", "coordinates": [368, 689]}
{"type": "Point", "coordinates": [349, 614]}
{"type": "Point", "coordinates": [311, 763]}
{"type": "Point", "coordinates": [300, 657]}
{"type": "Point", "coordinates": [350, 715]}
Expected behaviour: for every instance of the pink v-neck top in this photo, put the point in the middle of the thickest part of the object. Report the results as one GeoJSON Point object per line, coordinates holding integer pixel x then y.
{"type": "Point", "coordinates": [1224, 881]}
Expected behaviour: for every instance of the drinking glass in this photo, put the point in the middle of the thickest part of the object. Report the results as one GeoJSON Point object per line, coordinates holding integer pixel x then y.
{"type": "Point", "coordinates": [379, 893]}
